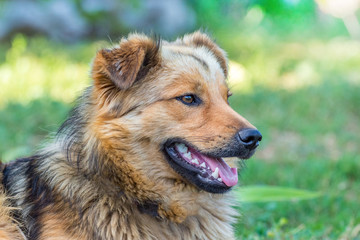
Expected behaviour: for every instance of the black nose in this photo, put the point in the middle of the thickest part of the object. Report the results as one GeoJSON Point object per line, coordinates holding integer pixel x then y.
{"type": "Point", "coordinates": [250, 138]}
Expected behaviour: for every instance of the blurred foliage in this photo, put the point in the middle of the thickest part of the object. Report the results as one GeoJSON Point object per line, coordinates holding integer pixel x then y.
{"type": "Point", "coordinates": [35, 67]}
{"type": "Point", "coordinates": [289, 12]}
{"type": "Point", "coordinates": [294, 75]}
{"type": "Point", "coordinates": [296, 19]}
{"type": "Point", "coordinates": [251, 194]}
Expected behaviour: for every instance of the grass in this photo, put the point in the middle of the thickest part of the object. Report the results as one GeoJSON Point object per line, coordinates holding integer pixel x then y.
{"type": "Point", "coordinates": [302, 95]}
{"type": "Point", "coordinates": [310, 143]}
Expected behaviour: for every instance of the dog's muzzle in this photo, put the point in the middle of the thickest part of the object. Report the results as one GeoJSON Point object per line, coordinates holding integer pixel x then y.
{"type": "Point", "coordinates": [208, 170]}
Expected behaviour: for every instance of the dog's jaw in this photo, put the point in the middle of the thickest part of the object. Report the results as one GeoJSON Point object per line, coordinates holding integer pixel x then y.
{"type": "Point", "coordinates": [207, 173]}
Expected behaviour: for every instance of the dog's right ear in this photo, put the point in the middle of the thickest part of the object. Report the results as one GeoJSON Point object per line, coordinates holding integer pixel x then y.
{"type": "Point", "coordinates": [124, 65]}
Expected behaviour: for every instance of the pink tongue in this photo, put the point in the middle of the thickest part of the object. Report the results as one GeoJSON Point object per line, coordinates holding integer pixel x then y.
{"type": "Point", "coordinates": [228, 175]}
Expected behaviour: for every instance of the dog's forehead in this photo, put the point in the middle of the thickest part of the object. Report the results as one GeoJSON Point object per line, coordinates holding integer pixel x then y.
{"type": "Point", "coordinates": [199, 60]}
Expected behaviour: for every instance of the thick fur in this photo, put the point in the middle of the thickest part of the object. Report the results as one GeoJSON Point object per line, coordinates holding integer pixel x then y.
{"type": "Point", "coordinates": [105, 175]}
{"type": "Point", "coordinates": [9, 230]}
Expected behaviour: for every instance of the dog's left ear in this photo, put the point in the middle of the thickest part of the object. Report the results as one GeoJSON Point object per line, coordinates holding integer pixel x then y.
{"type": "Point", "coordinates": [124, 65]}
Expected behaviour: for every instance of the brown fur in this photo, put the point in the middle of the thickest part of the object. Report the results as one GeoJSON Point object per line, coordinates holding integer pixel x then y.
{"type": "Point", "coordinates": [105, 175]}
{"type": "Point", "coordinates": [8, 228]}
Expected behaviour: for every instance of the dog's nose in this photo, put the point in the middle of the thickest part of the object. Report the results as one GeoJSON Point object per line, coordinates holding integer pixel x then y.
{"type": "Point", "coordinates": [250, 138]}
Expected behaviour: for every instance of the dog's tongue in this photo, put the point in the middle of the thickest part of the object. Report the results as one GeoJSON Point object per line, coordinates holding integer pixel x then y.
{"type": "Point", "coordinates": [218, 166]}
{"type": "Point", "coordinates": [228, 175]}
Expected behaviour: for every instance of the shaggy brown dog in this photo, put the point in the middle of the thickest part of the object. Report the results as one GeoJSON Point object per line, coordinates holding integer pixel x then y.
{"type": "Point", "coordinates": [141, 156]}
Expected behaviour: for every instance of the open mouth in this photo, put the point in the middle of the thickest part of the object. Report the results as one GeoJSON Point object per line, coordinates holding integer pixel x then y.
{"type": "Point", "coordinates": [208, 173]}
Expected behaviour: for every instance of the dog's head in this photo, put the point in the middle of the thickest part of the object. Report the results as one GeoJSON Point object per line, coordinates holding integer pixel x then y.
{"type": "Point", "coordinates": [162, 111]}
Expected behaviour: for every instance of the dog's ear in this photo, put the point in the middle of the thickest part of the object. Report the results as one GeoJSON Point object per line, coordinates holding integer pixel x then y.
{"type": "Point", "coordinates": [127, 63]}
{"type": "Point", "coordinates": [199, 39]}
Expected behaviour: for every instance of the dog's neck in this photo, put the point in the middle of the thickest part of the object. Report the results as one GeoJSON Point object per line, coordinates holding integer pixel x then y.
{"type": "Point", "coordinates": [97, 211]}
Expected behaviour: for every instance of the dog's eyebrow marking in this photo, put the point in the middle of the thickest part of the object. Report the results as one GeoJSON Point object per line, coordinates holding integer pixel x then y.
{"type": "Point", "coordinates": [205, 65]}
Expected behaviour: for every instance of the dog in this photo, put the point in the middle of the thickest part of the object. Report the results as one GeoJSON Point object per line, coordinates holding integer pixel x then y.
{"type": "Point", "coordinates": [148, 152]}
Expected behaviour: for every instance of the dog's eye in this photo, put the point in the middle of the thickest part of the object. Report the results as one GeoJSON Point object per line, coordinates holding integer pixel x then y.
{"type": "Point", "coordinates": [189, 99]}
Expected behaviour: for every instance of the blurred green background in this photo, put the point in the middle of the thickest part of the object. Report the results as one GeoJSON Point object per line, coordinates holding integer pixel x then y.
{"type": "Point", "coordinates": [294, 72]}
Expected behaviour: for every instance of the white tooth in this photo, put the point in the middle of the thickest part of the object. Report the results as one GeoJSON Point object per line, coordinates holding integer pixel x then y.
{"type": "Point", "coordinates": [182, 148]}
{"type": "Point", "coordinates": [215, 174]}
{"type": "Point", "coordinates": [188, 155]}
{"type": "Point", "coordinates": [203, 165]}
{"type": "Point", "coordinates": [196, 161]}
{"type": "Point", "coordinates": [219, 179]}
{"type": "Point", "coordinates": [208, 167]}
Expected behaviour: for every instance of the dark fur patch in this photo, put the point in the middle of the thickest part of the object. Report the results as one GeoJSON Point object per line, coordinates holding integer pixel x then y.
{"type": "Point", "coordinates": [71, 134]}
{"type": "Point", "coordinates": [38, 196]}
{"type": "Point", "coordinates": [150, 208]}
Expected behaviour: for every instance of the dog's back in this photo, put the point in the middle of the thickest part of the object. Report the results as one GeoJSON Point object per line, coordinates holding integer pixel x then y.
{"type": "Point", "coordinates": [8, 229]}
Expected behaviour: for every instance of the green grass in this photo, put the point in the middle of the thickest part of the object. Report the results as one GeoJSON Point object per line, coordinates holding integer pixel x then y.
{"type": "Point", "coordinates": [304, 96]}
{"type": "Point", "coordinates": [310, 142]}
